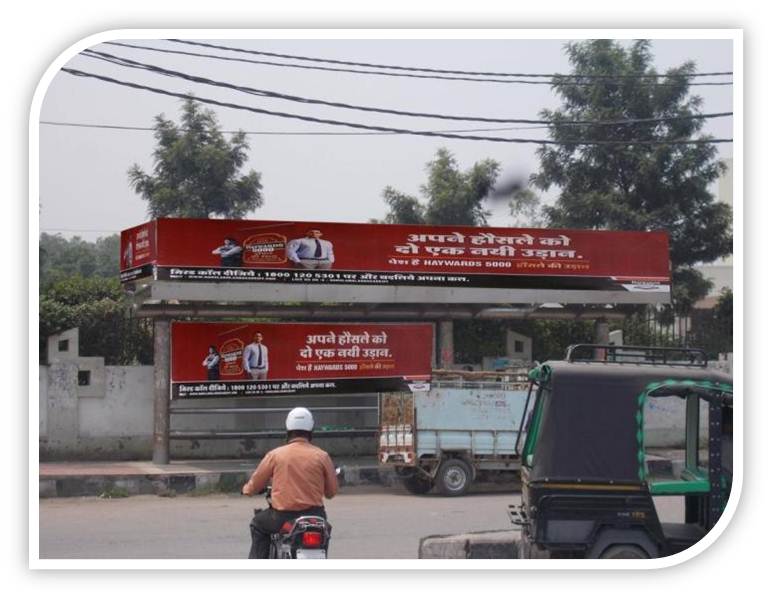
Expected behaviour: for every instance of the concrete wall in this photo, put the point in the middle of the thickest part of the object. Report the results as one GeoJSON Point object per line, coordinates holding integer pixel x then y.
{"type": "Point", "coordinates": [63, 346]}
{"type": "Point", "coordinates": [125, 408]}
{"type": "Point", "coordinates": [42, 401]}
{"type": "Point", "coordinates": [78, 421]}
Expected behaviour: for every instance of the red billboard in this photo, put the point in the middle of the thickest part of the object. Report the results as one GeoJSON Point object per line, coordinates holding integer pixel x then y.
{"type": "Point", "coordinates": [251, 359]}
{"type": "Point", "coordinates": [138, 251]}
{"type": "Point", "coordinates": [408, 255]}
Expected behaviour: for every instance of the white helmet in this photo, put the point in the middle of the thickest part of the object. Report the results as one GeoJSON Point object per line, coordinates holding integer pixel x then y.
{"type": "Point", "coordinates": [300, 418]}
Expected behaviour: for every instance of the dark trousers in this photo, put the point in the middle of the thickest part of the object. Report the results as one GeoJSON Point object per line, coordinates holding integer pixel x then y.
{"type": "Point", "coordinates": [213, 373]}
{"type": "Point", "coordinates": [269, 521]}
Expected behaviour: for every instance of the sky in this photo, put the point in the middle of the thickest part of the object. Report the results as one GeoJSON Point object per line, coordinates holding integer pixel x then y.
{"type": "Point", "coordinates": [308, 174]}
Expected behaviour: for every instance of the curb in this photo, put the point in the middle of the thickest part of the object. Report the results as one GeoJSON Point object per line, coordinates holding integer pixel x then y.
{"type": "Point", "coordinates": [122, 485]}
{"type": "Point", "coordinates": [132, 484]}
{"type": "Point", "coordinates": [498, 544]}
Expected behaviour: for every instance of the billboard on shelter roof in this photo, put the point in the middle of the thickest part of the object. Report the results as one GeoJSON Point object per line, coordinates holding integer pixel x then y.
{"type": "Point", "coordinates": [397, 255]}
{"type": "Point", "coordinates": [251, 359]}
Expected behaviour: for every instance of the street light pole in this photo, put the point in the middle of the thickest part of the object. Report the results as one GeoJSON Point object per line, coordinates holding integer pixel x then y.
{"type": "Point", "coordinates": [161, 390]}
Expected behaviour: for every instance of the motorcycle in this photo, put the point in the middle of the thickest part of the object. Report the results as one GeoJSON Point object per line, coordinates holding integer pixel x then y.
{"type": "Point", "coordinates": [307, 537]}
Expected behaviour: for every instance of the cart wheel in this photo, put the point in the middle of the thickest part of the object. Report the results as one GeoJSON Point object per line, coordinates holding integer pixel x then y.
{"type": "Point", "coordinates": [454, 477]}
{"type": "Point", "coordinates": [624, 551]}
{"type": "Point", "coordinates": [417, 484]}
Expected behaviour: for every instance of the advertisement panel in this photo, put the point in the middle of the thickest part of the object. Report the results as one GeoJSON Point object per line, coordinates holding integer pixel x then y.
{"type": "Point", "coordinates": [138, 255]}
{"type": "Point", "coordinates": [409, 255]}
{"type": "Point", "coordinates": [235, 359]}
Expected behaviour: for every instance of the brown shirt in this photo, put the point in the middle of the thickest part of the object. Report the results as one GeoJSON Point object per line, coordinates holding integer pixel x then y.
{"type": "Point", "coordinates": [303, 475]}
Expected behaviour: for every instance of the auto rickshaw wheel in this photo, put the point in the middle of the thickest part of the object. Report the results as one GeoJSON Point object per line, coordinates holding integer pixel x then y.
{"type": "Point", "coordinates": [624, 551]}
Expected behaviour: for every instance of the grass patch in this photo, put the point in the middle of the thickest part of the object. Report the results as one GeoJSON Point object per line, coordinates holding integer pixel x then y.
{"type": "Point", "coordinates": [114, 492]}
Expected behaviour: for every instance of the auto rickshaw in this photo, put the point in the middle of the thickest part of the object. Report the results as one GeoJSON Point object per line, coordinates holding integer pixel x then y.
{"type": "Point", "coordinates": [587, 488]}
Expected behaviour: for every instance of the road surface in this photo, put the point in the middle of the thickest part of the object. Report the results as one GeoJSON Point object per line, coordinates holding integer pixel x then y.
{"type": "Point", "coordinates": [367, 523]}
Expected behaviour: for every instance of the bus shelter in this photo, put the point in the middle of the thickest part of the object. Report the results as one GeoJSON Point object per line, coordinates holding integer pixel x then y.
{"type": "Point", "coordinates": [375, 302]}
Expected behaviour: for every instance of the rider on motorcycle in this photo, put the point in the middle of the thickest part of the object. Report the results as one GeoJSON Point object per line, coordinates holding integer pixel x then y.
{"type": "Point", "coordinates": [302, 476]}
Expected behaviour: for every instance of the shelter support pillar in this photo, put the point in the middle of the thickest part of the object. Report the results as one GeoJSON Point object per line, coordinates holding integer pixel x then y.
{"type": "Point", "coordinates": [601, 337]}
{"type": "Point", "coordinates": [161, 359]}
{"type": "Point", "coordinates": [446, 344]}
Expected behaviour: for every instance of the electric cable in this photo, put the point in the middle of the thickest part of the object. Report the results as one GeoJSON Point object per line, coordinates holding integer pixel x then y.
{"type": "Point", "coordinates": [279, 133]}
{"type": "Point", "coordinates": [79, 73]}
{"type": "Point", "coordinates": [122, 61]}
{"type": "Point", "coordinates": [443, 71]}
{"type": "Point", "coordinates": [365, 72]}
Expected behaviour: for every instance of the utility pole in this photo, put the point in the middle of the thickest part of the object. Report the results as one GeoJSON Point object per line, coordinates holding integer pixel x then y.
{"type": "Point", "coordinates": [161, 359]}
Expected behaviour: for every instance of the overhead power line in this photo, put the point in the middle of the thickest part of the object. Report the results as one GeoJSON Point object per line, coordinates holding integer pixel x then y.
{"type": "Point", "coordinates": [288, 133]}
{"type": "Point", "coordinates": [125, 62]}
{"type": "Point", "coordinates": [444, 71]}
{"type": "Point", "coordinates": [165, 92]}
{"type": "Point", "coordinates": [369, 72]}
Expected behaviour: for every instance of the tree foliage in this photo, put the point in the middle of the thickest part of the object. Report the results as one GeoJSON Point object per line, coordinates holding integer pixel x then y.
{"type": "Point", "coordinates": [97, 307]}
{"type": "Point", "coordinates": [636, 187]}
{"type": "Point", "coordinates": [524, 207]}
{"type": "Point", "coordinates": [79, 288]}
{"type": "Point", "coordinates": [196, 170]}
{"type": "Point", "coordinates": [452, 196]}
{"type": "Point", "coordinates": [723, 312]}
{"type": "Point", "coordinates": [61, 258]}
{"type": "Point", "coordinates": [475, 339]}
{"type": "Point", "coordinates": [713, 329]}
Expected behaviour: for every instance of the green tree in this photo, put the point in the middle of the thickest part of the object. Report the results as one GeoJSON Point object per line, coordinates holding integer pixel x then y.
{"type": "Point", "coordinates": [475, 339]}
{"type": "Point", "coordinates": [196, 170]}
{"type": "Point", "coordinates": [455, 197]}
{"type": "Point", "coordinates": [97, 306]}
{"type": "Point", "coordinates": [636, 187]}
{"type": "Point", "coordinates": [723, 312]}
{"type": "Point", "coordinates": [524, 206]}
{"type": "Point", "coordinates": [452, 196]}
{"type": "Point", "coordinates": [712, 329]}
{"type": "Point", "coordinates": [61, 258]}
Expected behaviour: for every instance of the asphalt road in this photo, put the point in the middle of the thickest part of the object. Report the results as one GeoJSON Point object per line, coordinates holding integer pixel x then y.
{"type": "Point", "coordinates": [367, 523]}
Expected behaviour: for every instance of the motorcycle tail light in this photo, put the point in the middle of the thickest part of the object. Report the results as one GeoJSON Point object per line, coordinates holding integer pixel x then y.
{"type": "Point", "coordinates": [311, 539]}
{"type": "Point", "coordinates": [286, 527]}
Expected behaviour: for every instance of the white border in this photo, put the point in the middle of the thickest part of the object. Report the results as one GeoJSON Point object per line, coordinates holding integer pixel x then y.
{"type": "Point", "coordinates": [736, 35]}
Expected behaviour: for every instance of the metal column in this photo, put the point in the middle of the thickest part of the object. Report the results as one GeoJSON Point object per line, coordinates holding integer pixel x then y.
{"type": "Point", "coordinates": [692, 432]}
{"type": "Point", "coordinates": [447, 350]}
{"type": "Point", "coordinates": [601, 338]}
{"type": "Point", "coordinates": [161, 353]}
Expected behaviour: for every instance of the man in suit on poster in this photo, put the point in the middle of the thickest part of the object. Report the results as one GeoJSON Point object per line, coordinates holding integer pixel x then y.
{"type": "Point", "coordinates": [256, 358]}
{"type": "Point", "coordinates": [311, 252]}
{"type": "Point", "coordinates": [230, 253]}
